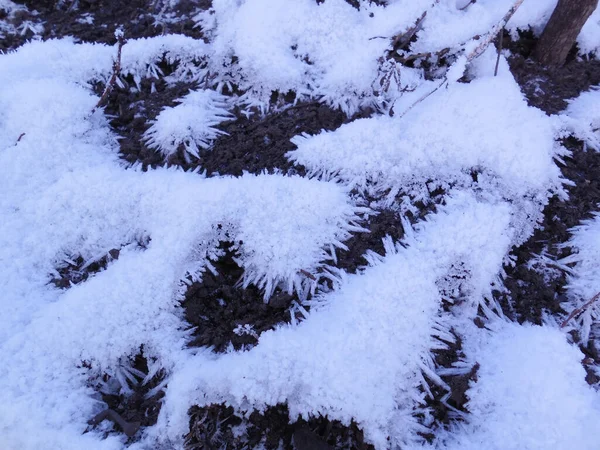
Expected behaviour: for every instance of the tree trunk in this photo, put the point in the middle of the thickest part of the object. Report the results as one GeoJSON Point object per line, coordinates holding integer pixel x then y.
{"type": "Point", "coordinates": [562, 30]}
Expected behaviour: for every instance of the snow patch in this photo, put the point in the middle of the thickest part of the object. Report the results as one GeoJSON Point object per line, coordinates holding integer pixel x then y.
{"type": "Point", "coordinates": [191, 123]}
{"type": "Point", "coordinates": [441, 142]}
{"type": "Point", "coordinates": [361, 353]}
{"type": "Point", "coordinates": [530, 394]}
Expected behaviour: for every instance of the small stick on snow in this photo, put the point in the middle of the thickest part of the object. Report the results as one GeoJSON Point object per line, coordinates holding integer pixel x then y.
{"type": "Point", "coordinates": [467, 5]}
{"type": "Point", "coordinates": [577, 311]}
{"type": "Point", "coordinates": [477, 51]}
{"type": "Point", "coordinates": [400, 40]}
{"type": "Point", "coordinates": [116, 70]}
{"type": "Point", "coordinates": [308, 274]}
{"type": "Point", "coordinates": [492, 34]}
{"type": "Point", "coordinates": [129, 428]}
{"type": "Point", "coordinates": [412, 57]}
{"type": "Point", "coordinates": [500, 43]}
{"type": "Point", "coordinates": [20, 137]}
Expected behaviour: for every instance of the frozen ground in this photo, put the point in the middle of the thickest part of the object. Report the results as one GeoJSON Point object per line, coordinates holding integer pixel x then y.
{"type": "Point", "coordinates": [98, 255]}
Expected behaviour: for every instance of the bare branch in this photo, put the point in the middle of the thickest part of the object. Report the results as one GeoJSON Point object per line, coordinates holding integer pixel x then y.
{"type": "Point", "coordinates": [116, 71]}
{"type": "Point", "coordinates": [490, 36]}
{"type": "Point", "coordinates": [578, 311]}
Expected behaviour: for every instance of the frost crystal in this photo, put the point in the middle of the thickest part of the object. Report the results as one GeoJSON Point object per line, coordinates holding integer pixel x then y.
{"type": "Point", "coordinates": [191, 123]}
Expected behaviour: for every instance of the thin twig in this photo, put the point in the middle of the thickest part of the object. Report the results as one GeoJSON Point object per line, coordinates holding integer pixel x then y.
{"type": "Point", "coordinates": [499, 52]}
{"type": "Point", "coordinates": [477, 51]}
{"type": "Point", "coordinates": [116, 70]}
{"type": "Point", "coordinates": [467, 5]}
{"type": "Point", "coordinates": [444, 81]}
{"type": "Point", "coordinates": [308, 274]}
{"type": "Point", "coordinates": [577, 311]}
{"type": "Point", "coordinates": [19, 139]}
{"type": "Point", "coordinates": [400, 40]}
{"type": "Point", "coordinates": [408, 58]}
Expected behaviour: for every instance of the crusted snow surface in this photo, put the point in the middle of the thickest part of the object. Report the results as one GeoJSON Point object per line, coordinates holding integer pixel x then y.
{"type": "Point", "coordinates": [338, 364]}
{"type": "Point", "coordinates": [530, 393]}
{"type": "Point", "coordinates": [65, 194]}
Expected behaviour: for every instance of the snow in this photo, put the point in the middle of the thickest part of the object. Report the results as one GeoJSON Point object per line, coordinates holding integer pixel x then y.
{"type": "Point", "coordinates": [364, 351]}
{"type": "Point", "coordinates": [191, 123]}
{"type": "Point", "coordinates": [583, 283]}
{"type": "Point", "coordinates": [446, 26]}
{"type": "Point", "coordinates": [450, 27]}
{"type": "Point", "coordinates": [339, 365]}
{"type": "Point", "coordinates": [402, 154]}
{"type": "Point", "coordinates": [67, 194]}
{"type": "Point", "coordinates": [530, 394]}
{"type": "Point", "coordinates": [582, 117]}
{"type": "Point", "coordinates": [328, 50]}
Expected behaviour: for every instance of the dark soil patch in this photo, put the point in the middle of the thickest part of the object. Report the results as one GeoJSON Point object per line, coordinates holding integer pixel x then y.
{"type": "Point", "coordinates": [18, 35]}
{"type": "Point", "coordinates": [257, 144]}
{"type": "Point", "coordinates": [97, 21]}
{"type": "Point", "coordinates": [138, 409]}
{"type": "Point", "coordinates": [533, 292]}
{"type": "Point", "coordinates": [224, 313]}
{"type": "Point", "coordinates": [442, 406]}
{"type": "Point", "coordinates": [549, 88]}
{"type": "Point", "coordinates": [251, 145]}
{"type": "Point", "coordinates": [385, 223]}
{"type": "Point", "coordinates": [219, 308]}
{"type": "Point", "coordinates": [213, 425]}
{"type": "Point", "coordinates": [74, 270]}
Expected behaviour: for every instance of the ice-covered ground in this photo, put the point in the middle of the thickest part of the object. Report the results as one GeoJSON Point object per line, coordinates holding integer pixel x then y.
{"type": "Point", "coordinates": [364, 351]}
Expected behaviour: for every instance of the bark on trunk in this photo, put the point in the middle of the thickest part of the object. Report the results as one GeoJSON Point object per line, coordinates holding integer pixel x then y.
{"type": "Point", "coordinates": [562, 30]}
